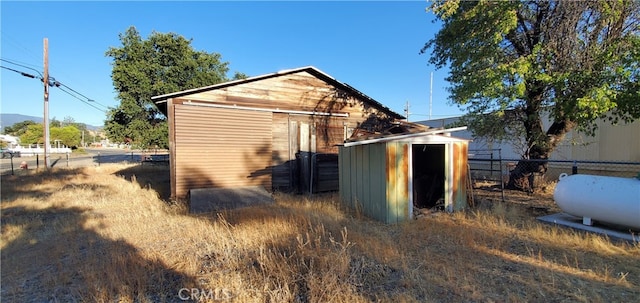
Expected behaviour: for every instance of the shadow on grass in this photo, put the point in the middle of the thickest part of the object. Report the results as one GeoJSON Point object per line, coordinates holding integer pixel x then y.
{"type": "Point", "coordinates": [55, 254]}
{"type": "Point", "coordinates": [21, 186]}
{"type": "Point", "coordinates": [152, 176]}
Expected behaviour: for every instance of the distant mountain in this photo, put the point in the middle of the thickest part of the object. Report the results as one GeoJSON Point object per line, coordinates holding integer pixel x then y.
{"type": "Point", "coordinates": [11, 119]}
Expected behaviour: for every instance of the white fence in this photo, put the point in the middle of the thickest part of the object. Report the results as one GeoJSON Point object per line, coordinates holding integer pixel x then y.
{"type": "Point", "coordinates": [38, 150]}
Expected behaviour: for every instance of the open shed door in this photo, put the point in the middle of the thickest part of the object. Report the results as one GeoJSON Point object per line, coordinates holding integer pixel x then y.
{"type": "Point", "coordinates": [429, 175]}
{"type": "Point", "coordinates": [221, 147]}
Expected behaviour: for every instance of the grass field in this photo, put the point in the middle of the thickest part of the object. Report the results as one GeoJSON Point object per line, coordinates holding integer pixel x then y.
{"type": "Point", "coordinates": [107, 234]}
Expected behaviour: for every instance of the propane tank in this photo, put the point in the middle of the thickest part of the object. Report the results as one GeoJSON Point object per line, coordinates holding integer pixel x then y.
{"type": "Point", "coordinates": [607, 199]}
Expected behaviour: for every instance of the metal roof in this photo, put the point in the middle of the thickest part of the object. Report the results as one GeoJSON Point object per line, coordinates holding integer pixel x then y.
{"type": "Point", "coordinates": [410, 136]}
{"type": "Point", "coordinates": [160, 100]}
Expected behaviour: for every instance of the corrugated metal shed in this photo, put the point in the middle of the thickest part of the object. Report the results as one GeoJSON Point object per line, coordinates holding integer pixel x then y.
{"type": "Point", "coordinates": [387, 177]}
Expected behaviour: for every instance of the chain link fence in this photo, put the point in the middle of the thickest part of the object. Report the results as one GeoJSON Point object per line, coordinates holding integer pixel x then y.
{"type": "Point", "coordinates": [489, 168]}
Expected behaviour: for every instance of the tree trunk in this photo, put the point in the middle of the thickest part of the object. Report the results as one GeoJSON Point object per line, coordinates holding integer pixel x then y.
{"type": "Point", "coordinates": [541, 143]}
{"type": "Point", "coordinates": [526, 174]}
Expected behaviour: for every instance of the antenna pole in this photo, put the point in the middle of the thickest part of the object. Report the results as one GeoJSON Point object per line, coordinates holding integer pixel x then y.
{"type": "Point", "coordinates": [406, 110]}
{"type": "Point", "coordinates": [46, 103]}
{"type": "Point", "coordinates": [431, 96]}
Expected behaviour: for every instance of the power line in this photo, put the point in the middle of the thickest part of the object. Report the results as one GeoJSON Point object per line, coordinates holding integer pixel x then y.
{"type": "Point", "coordinates": [54, 82]}
{"type": "Point", "coordinates": [17, 44]}
{"type": "Point", "coordinates": [19, 72]}
{"type": "Point", "coordinates": [83, 101]}
{"type": "Point", "coordinates": [21, 65]}
{"type": "Point", "coordinates": [88, 99]}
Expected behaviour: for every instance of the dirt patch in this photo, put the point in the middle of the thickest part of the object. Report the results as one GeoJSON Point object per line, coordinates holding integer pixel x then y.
{"type": "Point", "coordinates": [537, 203]}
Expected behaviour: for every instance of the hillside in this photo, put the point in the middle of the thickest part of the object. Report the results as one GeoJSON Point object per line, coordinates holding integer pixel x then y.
{"type": "Point", "coordinates": [11, 119]}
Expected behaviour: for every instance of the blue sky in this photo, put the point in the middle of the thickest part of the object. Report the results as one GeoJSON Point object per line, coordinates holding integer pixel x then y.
{"type": "Point", "coordinates": [372, 46]}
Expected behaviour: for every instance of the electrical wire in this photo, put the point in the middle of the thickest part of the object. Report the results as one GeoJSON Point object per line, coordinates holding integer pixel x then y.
{"type": "Point", "coordinates": [19, 72]}
{"type": "Point", "coordinates": [83, 101]}
{"type": "Point", "coordinates": [56, 83]}
{"type": "Point", "coordinates": [88, 99]}
{"type": "Point", "coordinates": [21, 65]}
{"type": "Point", "coordinates": [10, 39]}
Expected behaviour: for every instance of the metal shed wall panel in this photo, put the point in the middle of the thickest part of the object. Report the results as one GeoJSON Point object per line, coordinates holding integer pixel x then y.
{"type": "Point", "coordinates": [397, 182]}
{"type": "Point", "coordinates": [217, 147]}
{"type": "Point", "coordinates": [363, 179]}
{"type": "Point", "coordinates": [460, 171]}
{"type": "Point", "coordinates": [344, 176]}
{"type": "Point", "coordinates": [378, 188]}
{"type": "Point", "coordinates": [377, 178]}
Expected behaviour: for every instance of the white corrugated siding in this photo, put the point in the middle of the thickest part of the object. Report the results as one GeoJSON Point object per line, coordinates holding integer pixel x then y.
{"type": "Point", "coordinates": [216, 147]}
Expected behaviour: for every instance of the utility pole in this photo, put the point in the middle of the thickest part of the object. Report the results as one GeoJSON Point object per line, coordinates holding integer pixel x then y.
{"type": "Point", "coordinates": [46, 102]}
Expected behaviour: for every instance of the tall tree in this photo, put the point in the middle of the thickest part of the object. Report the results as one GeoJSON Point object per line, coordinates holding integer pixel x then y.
{"type": "Point", "coordinates": [19, 128]}
{"type": "Point", "coordinates": [68, 120]}
{"type": "Point", "coordinates": [68, 135]}
{"type": "Point", "coordinates": [514, 62]}
{"type": "Point", "coordinates": [161, 64]}
{"type": "Point", "coordinates": [33, 134]}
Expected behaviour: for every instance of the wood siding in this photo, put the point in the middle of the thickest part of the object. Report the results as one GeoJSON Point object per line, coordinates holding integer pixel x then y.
{"type": "Point", "coordinates": [295, 92]}
{"type": "Point", "coordinates": [283, 152]}
{"type": "Point", "coordinates": [295, 133]}
{"type": "Point", "coordinates": [211, 152]}
{"type": "Point", "coordinates": [293, 112]}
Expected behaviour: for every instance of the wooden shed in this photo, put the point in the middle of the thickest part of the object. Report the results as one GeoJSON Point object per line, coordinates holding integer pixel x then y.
{"type": "Point", "coordinates": [387, 178]}
{"type": "Point", "coordinates": [255, 131]}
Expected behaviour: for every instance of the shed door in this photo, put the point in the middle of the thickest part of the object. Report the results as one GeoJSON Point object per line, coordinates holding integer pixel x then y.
{"type": "Point", "coordinates": [219, 147]}
{"type": "Point", "coordinates": [429, 175]}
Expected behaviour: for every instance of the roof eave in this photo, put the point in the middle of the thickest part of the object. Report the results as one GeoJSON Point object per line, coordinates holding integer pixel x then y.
{"type": "Point", "coordinates": [162, 98]}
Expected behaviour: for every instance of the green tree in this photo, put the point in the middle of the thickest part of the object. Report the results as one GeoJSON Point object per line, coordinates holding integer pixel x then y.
{"type": "Point", "coordinates": [68, 120]}
{"type": "Point", "coordinates": [34, 134]}
{"type": "Point", "coordinates": [55, 122]}
{"type": "Point", "coordinates": [163, 63]}
{"type": "Point", "coordinates": [68, 136]}
{"type": "Point", "coordinates": [18, 129]}
{"type": "Point", "coordinates": [514, 62]}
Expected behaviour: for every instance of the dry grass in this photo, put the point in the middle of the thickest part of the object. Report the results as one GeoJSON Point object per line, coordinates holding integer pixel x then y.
{"type": "Point", "coordinates": [104, 234]}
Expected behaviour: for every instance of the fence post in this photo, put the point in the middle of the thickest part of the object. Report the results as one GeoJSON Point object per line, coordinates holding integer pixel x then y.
{"type": "Point", "coordinates": [574, 169]}
{"type": "Point", "coordinates": [67, 159]}
{"type": "Point", "coordinates": [501, 168]}
{"type": "Point", "coordinates": [11, 156]}
{"type": "Point", "coordinates": [98, 158]}
{"type": "Point", "coordinates": [37, 161]}
{"type": "Point", "coordinates": [491, 169]}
